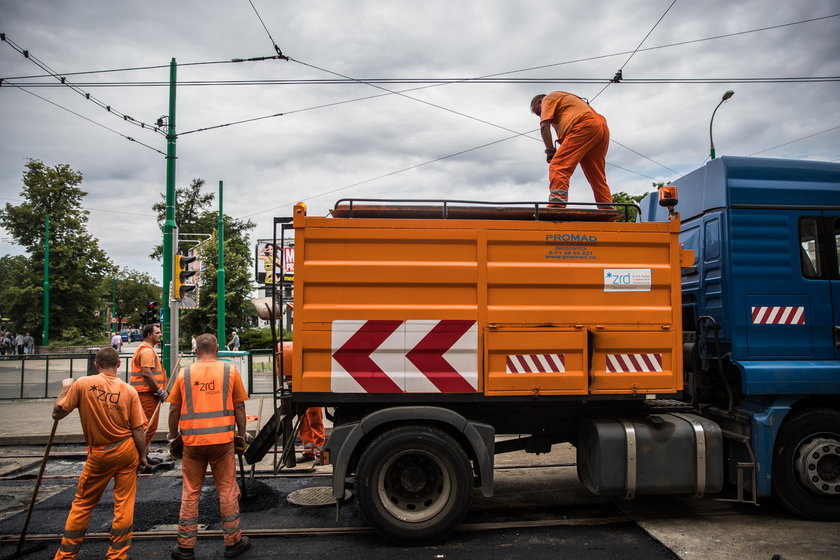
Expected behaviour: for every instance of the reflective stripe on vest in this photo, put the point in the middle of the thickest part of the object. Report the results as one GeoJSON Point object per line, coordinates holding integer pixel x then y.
{"type": "Point", "coordinates": [192, 422]}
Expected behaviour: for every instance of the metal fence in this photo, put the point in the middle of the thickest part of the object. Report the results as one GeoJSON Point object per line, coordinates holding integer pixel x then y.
{"type": "Point", "coordinates": [39, 376]}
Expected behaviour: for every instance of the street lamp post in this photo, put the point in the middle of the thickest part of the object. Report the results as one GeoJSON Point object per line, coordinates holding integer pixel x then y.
{"type": "Point", "coordinates": [727, 95]}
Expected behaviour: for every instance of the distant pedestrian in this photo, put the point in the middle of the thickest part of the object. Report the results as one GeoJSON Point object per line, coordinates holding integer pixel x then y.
{"type": "Point", "coordinates": [19, 344]}
{"type": "Point", "coordinates": [5, 344]}
{"type": "Point", "coordinates": [28, 344]}
{"type": "Point", "coordinates": [116, 342]}
{"type": "Point", "coordinates": [234, 343]}
{"type": "Point", "coordinates": [207, 409]}
{"type": "Point", "coordinates": [192, 344]}
{"type": "Point", "coordinates": [112, 421]}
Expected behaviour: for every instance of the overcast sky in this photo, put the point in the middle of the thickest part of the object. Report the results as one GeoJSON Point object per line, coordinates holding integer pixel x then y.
{"type": "Point", "coordinates": [392, 145]}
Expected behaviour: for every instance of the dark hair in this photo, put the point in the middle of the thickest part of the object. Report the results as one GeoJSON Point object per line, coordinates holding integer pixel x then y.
{"type": "Point", "coordinates": [107, 358]}
{"type": "Point", "coordinates": [148, 330]}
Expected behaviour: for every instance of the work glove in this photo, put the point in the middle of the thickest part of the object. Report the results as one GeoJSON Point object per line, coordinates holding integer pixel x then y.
{"type": "Point", "coordinates": [240, 444]}
{"type": "Point", "coordinates": [161, 394]}
{"type": "Point", "coordinates": [176, 447]}
{"type": "Point", "coordinates": [549, 153]}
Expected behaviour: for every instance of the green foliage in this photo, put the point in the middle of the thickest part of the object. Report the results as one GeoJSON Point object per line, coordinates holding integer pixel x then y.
{"type": "Point", "coordinates": [134, 290]}
{"type": "Point", "coordinates": [77, 264]}
{"type": "Point", "coordinates": [253, 338]}
{"type": "Point", "coordinates": [194, 215]}
{"type": "Point", "coordinates": [71, 336]}
{"type": "Point", "coordinates": [20, 294]}
{"type": "Point", "coordinates": [631, 212]}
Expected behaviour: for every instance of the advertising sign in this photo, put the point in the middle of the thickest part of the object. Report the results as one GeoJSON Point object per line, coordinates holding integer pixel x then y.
{"type": "Point", "coordinates": [270, 262]}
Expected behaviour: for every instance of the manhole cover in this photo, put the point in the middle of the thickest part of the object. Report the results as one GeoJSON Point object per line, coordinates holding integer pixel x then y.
{"type": "Point", "coordinates": [314, 496]}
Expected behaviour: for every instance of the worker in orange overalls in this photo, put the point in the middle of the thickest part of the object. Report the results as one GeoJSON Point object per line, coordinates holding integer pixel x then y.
{"type": "Point", "coordinates": [149, 379]}
{"type": "Point", "coordinates": [113, 423]}
{"type": "Point", "coordinates": [311, 434]}
{"type": "Point", "coordinates": [207, 406]}
{"type": "Point", "coordinates": [583, 137]}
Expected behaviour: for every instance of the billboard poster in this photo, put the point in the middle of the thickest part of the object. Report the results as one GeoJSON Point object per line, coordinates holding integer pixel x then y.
{"type": "Point", "coordinates": [270, 263]}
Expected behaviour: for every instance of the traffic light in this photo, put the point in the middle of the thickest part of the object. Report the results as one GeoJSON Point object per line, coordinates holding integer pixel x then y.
{"type": "Point", "coordinates": [182, 276]}
{"type": "Point", "coordinates": [152, 313]}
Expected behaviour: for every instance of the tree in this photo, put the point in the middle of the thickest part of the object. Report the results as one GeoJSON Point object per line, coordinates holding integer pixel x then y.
{"type": "Point", "coordinates": [20, 294]}
{"type": "Point", "coordinates": [623, 197]}
{"type": "Point", "coordinates": [193, 215]}
{"type": "Point", "coordinates": [134, 290]}
{"type": "Point", "coordinates": [77, 264]}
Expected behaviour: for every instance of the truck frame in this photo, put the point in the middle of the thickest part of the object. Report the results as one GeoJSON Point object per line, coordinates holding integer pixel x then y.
{"type": "Point", "coordinates": [442, 333]}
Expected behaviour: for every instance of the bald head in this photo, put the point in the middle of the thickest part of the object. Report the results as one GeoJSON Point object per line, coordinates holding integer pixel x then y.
{"type": "Point", "coordinates": [206, 347]}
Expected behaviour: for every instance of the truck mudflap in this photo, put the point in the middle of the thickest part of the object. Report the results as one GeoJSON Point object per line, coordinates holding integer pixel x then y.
{"type": "Point", "coordinates": [346, 438]}
{"type": "Point", "coordinates": [672, 453]}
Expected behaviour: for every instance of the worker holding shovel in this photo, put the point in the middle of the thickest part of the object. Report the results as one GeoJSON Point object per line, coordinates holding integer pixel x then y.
{"type": "Point", "coordinates": [113, 423]}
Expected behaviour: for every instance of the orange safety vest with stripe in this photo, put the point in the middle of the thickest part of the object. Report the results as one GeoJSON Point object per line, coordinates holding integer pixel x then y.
{"type": "Point", "coordinates": [207, 416]}
{"type": "Point", "coordinates": [136, 380]}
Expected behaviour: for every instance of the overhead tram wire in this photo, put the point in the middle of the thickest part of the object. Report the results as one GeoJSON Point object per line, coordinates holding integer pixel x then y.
{"type": "Point", "coordinates": [516, 133]}
{"type": "Point", "coordinates": [440, 81]}
{"type": "Point", "coordinates": [43, 66]}
{"type": "Point", "coordinates": [129, 138]}
{"type": "Point", "coordinates": [797, 140]}
{"type": "Point", "coordinates": [155, 67]}
{"type": "Point", "coordinates": [598, 57]}
{"type": "Point", "coordinates": [618, 75]}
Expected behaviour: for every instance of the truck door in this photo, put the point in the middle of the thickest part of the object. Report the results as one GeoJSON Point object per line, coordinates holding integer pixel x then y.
{"type": "Point", "coordinates": [832, 226]}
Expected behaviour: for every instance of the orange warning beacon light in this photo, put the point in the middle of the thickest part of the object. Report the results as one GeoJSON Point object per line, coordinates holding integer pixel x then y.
{"type": "Point", "coordinates": [668, 196]}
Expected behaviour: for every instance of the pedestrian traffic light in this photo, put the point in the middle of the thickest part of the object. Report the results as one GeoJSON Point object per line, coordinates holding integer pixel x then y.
{"type": "Point", "coordinates": [152, 313]}
{"type": "Point", "coordinates": [183, 285]}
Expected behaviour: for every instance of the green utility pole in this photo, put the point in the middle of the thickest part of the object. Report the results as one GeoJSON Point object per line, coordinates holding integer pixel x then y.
{"type": "Point", "coordinates": [45, 336]}
{"type": "Point", "coordinates": [169, 224]}
{"type": "Point", "coordinates": [220, 275]}
{"type": "Point", "coordinates": [113, 304]}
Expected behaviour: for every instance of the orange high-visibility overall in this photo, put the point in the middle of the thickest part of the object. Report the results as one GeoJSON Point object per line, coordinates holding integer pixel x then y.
{"type": "Point", "coordinates": [109, 409]}
{"type": "Point", "coordinates": [206, 392]}
{"type": "Point", "coordinates": [584, 138]}
{"type": "Point", "coordinates": [145, 356]}
{"type": "Point", "coordinates": [312, 431]}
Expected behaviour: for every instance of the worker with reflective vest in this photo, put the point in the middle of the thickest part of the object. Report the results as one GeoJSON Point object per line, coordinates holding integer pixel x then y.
{"type": "Point", "coordinates": [113, 423]}
{"type": "Point", "coordinates": [149, 380]}
{"type": "Point", "coordinates": [207, 407]}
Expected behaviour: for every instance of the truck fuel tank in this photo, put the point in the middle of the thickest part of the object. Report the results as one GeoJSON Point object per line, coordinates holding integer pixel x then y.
{"type": "Point", "coordinates": [672, 453]}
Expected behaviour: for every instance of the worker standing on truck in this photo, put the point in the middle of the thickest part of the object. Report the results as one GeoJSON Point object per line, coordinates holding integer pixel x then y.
{"type": "Point", "coordinates": [112, 421]}
{"type": "Point", "coordinates": [149, 379]}
{"type": "Point", "coordinates": [206, 405]}
{"type": "Point", "coordinates": [583, 138]}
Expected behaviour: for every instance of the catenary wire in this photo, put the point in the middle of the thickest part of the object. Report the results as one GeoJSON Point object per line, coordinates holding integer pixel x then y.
{"type": "Point", "coordinates": [587, 59]}
{"type": "Point", "coordinates": [618, 74]}
{"type": "Point", "coordinates": [90, 120]}
{"type": "Point", "coordinates": [154, 67]}
{"type": "Point", "coordinates": [797, 140]}
{"type": "Point", "coordinates": [43, 66]}
{"type": "Point", "coordinates": [436, 81]}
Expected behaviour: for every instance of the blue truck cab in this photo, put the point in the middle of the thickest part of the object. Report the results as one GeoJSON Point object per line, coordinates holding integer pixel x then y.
{"type": "Point", "coordinates": [761, 312]}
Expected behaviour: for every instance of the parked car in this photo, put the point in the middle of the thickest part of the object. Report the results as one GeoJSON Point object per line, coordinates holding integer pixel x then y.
{"type": "Point", "coordinates": [131, 335]}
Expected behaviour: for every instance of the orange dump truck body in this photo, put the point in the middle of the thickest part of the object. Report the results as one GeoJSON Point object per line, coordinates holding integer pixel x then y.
{"type": "Point", "coordinates": [482, 307]}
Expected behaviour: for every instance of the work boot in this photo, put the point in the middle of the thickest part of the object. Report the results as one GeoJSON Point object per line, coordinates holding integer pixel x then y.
{"type": "Point", "coordinates": [238, 548]}
{"type": "Point", "coordinates": [153, 460]}
{"type": "Point", "coordinates": [304, 458]}
{"type": "Point", "coordinates": [179, 553]}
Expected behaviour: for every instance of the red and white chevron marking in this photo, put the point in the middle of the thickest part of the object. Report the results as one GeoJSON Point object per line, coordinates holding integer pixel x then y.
{"type": "Point", "coordinates": [634, 362]}
{"type": "Point", "coordinates": [417, 356]}
{"type": "Point", "coordinates": [778, 315]}
{"type": "Point", "coordinates": [535, 363]}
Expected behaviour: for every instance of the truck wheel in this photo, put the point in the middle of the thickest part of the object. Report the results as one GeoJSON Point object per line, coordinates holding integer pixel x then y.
{"type": "Point", "coordinates": [414, 484]}
{"type": "Point", "coordinates": [806, 467]}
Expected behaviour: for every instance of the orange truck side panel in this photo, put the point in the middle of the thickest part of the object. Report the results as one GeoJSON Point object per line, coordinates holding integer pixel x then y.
{"type": "Point", "coordinates": [511, 307]}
